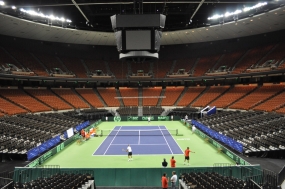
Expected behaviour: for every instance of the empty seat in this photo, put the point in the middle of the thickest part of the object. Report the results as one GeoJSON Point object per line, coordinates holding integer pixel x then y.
{"type": "Point", "coordinates": [109, 96]}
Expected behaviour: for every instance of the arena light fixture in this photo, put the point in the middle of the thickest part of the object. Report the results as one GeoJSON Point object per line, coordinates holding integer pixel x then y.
{"type": "Point", "coordinates": [2, 3]}
{"type": "Point", "coordinates": [255, 6]}
{"type": "Point", "coordinates": [51, 17]}
{"type": "Point", "coordinates": [14, 7]}
{"type": "Point", "coordinates": [227, 14]}
{"type": "Point", "coordinates": [216, 16]}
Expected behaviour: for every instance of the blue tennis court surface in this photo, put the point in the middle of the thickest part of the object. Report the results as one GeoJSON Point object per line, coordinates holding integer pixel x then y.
{"type": "Point", "coordinates": [144, 140]}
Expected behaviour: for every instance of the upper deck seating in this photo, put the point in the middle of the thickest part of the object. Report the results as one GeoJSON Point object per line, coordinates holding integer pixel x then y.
{"type": "Point", "coordinates": [109, 95]}
{"type": "Point", "coordinates": [210, 95]}
{"type": "Point", "coordinates": [151, 96]}
{"type": "Point", "coordinates": [71, 97]}
{"type": "Point", "coordinates": [130, 96]}
{"type": "Point", "coordinates": [171, 95]}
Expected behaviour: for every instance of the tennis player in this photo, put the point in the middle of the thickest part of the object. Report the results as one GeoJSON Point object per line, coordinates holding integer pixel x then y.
{"type": "Point", "coordinates": [187, 155]}
{"type": "Point", "coordinates": [172, 161]}
{"type": "Point", "coordinates": [193, 129]}
{"type": "Point", "coordinates": [130, 153]}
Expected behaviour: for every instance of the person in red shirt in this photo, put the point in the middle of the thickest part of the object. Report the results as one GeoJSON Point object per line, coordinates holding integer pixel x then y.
{"type": "Point", "coordinates": [82, 133]}
{"type": "Point", "coordinates": [164, 181]}
{"type": "Point", "coordinates": [172, 162]}
{"type": "Point", "coordinates": [87, 136]}
{"type": "Point", "coordinates": [187, 155]}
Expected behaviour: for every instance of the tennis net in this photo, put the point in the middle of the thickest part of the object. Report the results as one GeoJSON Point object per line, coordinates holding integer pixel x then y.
{"type": "Point", "coordinates": [151, 132]}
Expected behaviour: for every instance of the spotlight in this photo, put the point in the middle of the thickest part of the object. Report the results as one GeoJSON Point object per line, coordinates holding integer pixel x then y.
{"type": "Point", "coordinates": [235, 18]}
{"type": "Point", "coordinates": [221, 21]}
{"type": "Point", "coordinates": [13, 7]}
{"type": "Point", "coordinates": [190, 21]}
{"type": "Point", "coordinates": [2, 3]}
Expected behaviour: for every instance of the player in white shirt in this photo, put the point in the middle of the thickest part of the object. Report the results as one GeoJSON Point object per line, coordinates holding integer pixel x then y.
{"type": "Point", "coordinates": [173, 180]}
{"type": "Point", "coordinates": [193, 129]}
{"type": "Point", "coordinates": [130, 153]}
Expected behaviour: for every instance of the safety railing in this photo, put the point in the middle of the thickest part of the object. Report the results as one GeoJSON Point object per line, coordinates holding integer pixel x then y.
{"type": "Point", "coordinates": [6, 183]}
{"type": "Point", "coordinates": [281, 176]}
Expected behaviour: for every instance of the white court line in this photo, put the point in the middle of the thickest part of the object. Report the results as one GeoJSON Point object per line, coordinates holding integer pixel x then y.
{"type": "Point", "coordinates": [141, 144]}
{"type": "Point", "coordinates": [144, 155]}
{"type": "Point", "coordinates": [112, 140]}
{"type": "Point", "coordinates": [176, 143]}
{"type": "Point", "coordinates": [138, 144]}
{"type": "Point", "coordinates": [165, 139]}
{"type": "Point", "coordinates": [99, 146]}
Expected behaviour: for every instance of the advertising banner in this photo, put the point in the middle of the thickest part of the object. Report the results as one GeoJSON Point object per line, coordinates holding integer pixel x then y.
{"type": "Point", "coordinates": [51, 152]}
{"type": "Point", "coordinates": [141, 118]}
{"type": "Point", "coordinates": [45, 146]}
{"type": "Point", "coordinates": [220, 137]}
{"type": "Point", "coordinates": [223, 149]}
{"type": "Point", "coordinates": [34, 152]}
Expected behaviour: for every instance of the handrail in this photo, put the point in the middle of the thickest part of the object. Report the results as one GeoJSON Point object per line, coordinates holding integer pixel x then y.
{"type": "Point", "coordinates": [256, 185]}
{"type": "Point", "coordinates": [6, 182]}
{"type": "Point", "coordinates": [7, 185]}
{"type": "Point", "coordinates": [281, 176]}
{"type": "Point", "coordinates": [2, 75]}
{"type": "Point", "coordinates": [270, 177]}
{"type": "Point", "coordinates": [6, 174]}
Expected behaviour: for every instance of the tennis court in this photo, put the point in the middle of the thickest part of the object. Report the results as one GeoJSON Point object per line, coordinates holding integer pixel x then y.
{"type": "Point", "coordinates": [81, 155]}
{"type": "Point", "coordinates": [144, 140]}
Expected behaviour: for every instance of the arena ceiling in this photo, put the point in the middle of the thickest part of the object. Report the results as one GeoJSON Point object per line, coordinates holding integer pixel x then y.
{"type": "Point", "coordinates": [186, 21]}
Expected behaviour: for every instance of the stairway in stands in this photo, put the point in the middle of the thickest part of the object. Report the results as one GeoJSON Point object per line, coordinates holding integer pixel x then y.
{"type": "Point", "coordinates": [221, 95]}
{"type": "Point", "coordinates": [140, 95]}
{"type": "Point", "coordinates": [218, 62]}
{"type": "Point", "coordinates": [181, 95]}
{"type": "Point", "coordinates": [194, 66]}
{"type": "Point", "coordinates": [100, 97]}
{"type": "Point", "coordinates": [109, 72]}
{"type": "Point", "coordinates": [120, 97]}
{"type": "Point", "coordinates": [140, 111]}
{"type": "Point", "coordinates": [241, 59]}
{"type": "Point", "coordinates": [263, 59]}
{"type": "Point", "coordinates": [140, 107]}
{"type": "Point", "coordinates": [202, 93]}
{"type": "Point", "coordinates": [85, 67]}
{"type": "Point", "coordinates": [61, 98]}
{"type": "Point", "coordinates": [27, 93]}
{"type": "Point", "coordinates": [242, 96]}
{"type": "Point", "coordinates": [62, 64]}
{"type": "Point", "coordinates": [12, 57]}
{"type": "Point", "coordinates": [172, 67]}
{"type": "Point", "coordinates": [257, 104]}
{"type": "Point", "coordinates": [18, 96]}
{"type": "Point", "coordinates": [38, 61]}
{"type": "Point", "coordinates": [83, 99]}
{"type": "Point", "coordinates": [160, 99]}
{"type": "Point", "coordinates": [10, 107]}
